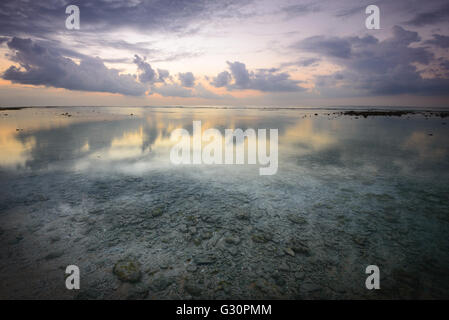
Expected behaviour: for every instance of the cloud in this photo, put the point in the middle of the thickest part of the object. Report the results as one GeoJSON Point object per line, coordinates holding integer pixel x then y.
{"type": "Point", "coordinates": [300, 9]}
{"type": "Point", "coordinates": [146, 73]}
{"type": "Point", "coordinates": [3, 40]}
{"type": "Point", "coordinates": [240, 74]}
{"type": "Point", "coordinates": [265, 80]}
{"type": "Point", "coordinates": [163, 75]}
{"type": "Point", "coordinates": [351, 11]}
{"type": "Point", "coordinates": [328, 46]}
{"type": "Point", "coordinates": [307, 62]}
{"type": "Point", "coordinates": [187, 79]}
{"type": "Point", "coordinates": [439, 41]}
{"type": "Point", "coordinates": [173, 90]}
{"type": "Point", "coordinates": [436, 15]}
{"type": "Point", "coordinates": [47, 66]}
{"type": "Point", "coordinates": [221, 80]}
{"type": "Point", "coordinates": [44, 17]}
{"type": "Point", "coordinates": [376, 67]}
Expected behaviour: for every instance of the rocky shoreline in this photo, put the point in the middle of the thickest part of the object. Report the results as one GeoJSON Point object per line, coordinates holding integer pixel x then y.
{"type": "Point", "coordinates": [393, 113]}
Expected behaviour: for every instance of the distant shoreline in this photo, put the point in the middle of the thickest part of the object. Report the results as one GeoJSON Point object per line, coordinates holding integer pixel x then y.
{"type": "Point", "coordinates": [356, 111]}
{"type": "Point", "coordinates": [394, 113]}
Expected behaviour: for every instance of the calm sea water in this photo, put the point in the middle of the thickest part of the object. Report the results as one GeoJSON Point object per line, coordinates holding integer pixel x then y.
{"type": "Point", "coordinates": [94, 186]}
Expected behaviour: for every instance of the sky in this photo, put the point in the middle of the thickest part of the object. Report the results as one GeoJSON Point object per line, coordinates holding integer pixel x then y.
{"type": "Point", "coordinates": [224, 53]}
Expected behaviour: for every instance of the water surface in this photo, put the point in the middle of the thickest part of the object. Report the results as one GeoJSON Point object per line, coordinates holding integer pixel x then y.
{"type": "Point", "coordinates": [93, 186]}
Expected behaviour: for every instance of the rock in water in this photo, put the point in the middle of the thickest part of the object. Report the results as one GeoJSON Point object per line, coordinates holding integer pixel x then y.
{"type": "Point", "coordinates": [243, 215]}
{"type": "Point", "coordinates": [54, 255]}
{"type": "Point", "coordinates": [127, 270]}
{"type": "Point", "coordinates": [295, 218]}
{"type": "Point", "coordinates": [157, 212]}
{"type": "Point", "coordinates": [262, 236]}
{"type": "Point", "coordinates": [289, 251]}
{"type": "Point", "coordinates": [299, 247]}
{"type": "Point", "coordinates": [192, 289]}
{"type": "Point", "coordinates": [203, 259]}
{"type": "Point", "coordinates": [160, 284]}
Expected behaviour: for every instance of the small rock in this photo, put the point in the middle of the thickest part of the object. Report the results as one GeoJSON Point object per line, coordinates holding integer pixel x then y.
{"type": "Point", "coordinates": [203, 259]}
{"type": "Point", "coordinates": [127, 270]}
{"type": "Point", "coordinates": [289, 251]}
{"type": "Point", "coordinates": [54, 239]}
{"type": "Point", "coordinates": [300, 275]}
{"type": "Point", "coordinates": [261, 285]}
{"type": "Point", "coordinates": [161, 284]}
{"type": "Point", "coordinates": [262, 236]}
{"type": "Point", "coordinates": [192, 289]}
{"type": "Point", "coordinates": [54, 255]}
{"type": "Point", "coordinates": [191, 268]}
{"type": "Point", "coordinates": [232, 240]}
{"type": "Point", "coordinates": [183, 228]}
{"type": "Point", "coordinates": [138, 292]}
{"type": "Point", "coordinates": [206, 235]}
{"type": "Point", "coordinates": [299, 247]}
{"type": "Point", "coordinates": [243, 215]}
{"type": "Point", "coordinates": [284, 267]}
{"type": "Point", "coordinates": [280, 281]}
{"type": "Point", "coordinates": [295, 218]}
{"type": "Point", "coordinates": [157, 212]}
{"type": "Point", "coordinates": [233, 251]}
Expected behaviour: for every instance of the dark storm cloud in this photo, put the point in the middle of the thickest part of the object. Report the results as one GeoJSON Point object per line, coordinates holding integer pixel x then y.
{"type": "Point", "coordinates": [336, 47]}
{"type": "Point", "coordinates": [439, 41]}
{"type": "Point", "coordinates": [187, 79]}
{"type": "Point", "coordinates": [265, 80]}
{"type": "Point", "coordinates": [377, 67]}
{"type": "Point", "coordinates": [46, 17]}
{"type": "Point", "coordinates": [43, 66]}
{"type": "Point", "coordinates": [432, 16]}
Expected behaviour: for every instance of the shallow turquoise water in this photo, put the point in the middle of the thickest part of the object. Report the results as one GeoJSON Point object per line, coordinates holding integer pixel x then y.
{"type": "Point", "coordinates": [92, 186]}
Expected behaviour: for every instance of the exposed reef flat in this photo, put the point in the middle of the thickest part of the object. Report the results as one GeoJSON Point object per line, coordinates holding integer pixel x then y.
{"type": "Point", "coordinates": [393, 113]}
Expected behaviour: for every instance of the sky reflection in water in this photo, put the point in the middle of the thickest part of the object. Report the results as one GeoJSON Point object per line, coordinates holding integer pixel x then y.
{"type": "Point", "coordinates": [367, 191]}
